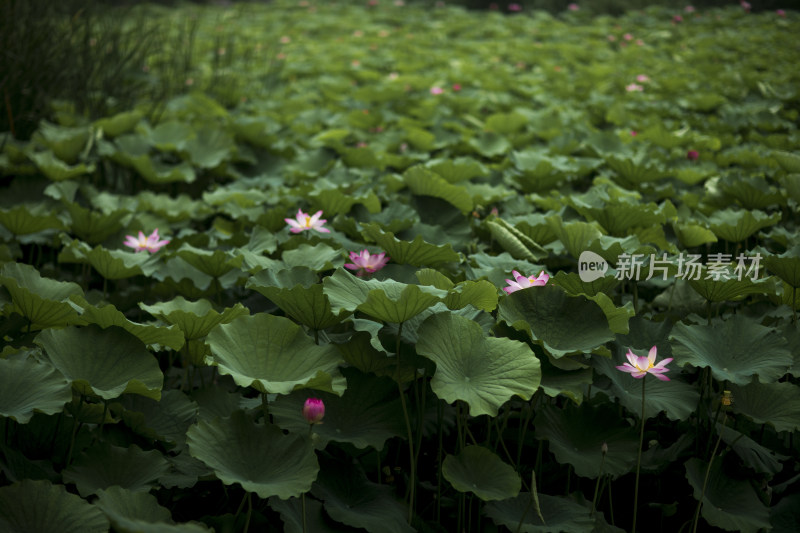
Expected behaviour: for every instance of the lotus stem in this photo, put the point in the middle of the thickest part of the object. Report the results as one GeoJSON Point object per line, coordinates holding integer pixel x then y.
{"type": "Point", "coordinates": [412, 475]}
{"type": "Point", "coordinates": [638, 461]}
{"type": "Point", "coordinates": [708, 472]}
{"type": "Point", "coordinates": [249, 512]}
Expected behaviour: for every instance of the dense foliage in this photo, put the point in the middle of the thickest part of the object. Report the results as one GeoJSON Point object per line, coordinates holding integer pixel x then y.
{"type": "Point", "coordinates": [392, 267]}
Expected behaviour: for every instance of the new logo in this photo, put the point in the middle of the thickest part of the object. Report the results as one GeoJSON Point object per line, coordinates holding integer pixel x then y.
{"type": "Point", "coordinates": [591, 266]}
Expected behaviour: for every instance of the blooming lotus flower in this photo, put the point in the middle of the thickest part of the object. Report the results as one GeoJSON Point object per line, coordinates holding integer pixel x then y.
{"type": "Point", "coordinates": [573, 7]}
{"type": "Point", "coordinates": [151, 243]}
{"type": "Point", "coordinates": [436, 90]}
{"type": "Point", "coordinates": [633, 87]}
{"type": "Point", "coordinates": [364, 262]}
{"type": "Point", "coordinates": [521, 282]}
{"type": "Point", "coordinates": [642, 78]}
{"type": "Point", "coordinates": [514, 7]}
{"type": "Point", "coordinates": [639, 366]}
{"type": "Point", "coordinates": [303, 222]}
{"type": "Point", "coordinates": [314, 410]}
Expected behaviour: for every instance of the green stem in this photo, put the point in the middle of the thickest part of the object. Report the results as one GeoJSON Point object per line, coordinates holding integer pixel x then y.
{"type": "Point", "coordinates": [708, 472]}
{"type": "Point", "coordinates": [439, 452]}
{"type": "Point", "coordinates": [597, 485]}
{"type": "Point", "coordinates": [265, 407]}
{"type": "Point", "coordinates": [412, 474]}
{"type": "Point", "coordinates": [638, 462]}
{"type": "Point", "coordinates": [75, 426]}
{"type": "Point", "coordinates": [249, 512]}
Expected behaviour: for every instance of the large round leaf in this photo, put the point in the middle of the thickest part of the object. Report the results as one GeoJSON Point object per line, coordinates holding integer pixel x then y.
{"type": "Point", "coordinates": [561, 323]}
{"type": "Point", "coordinates": [478, 470]}
{"type": "Point", "coordinates": [727, 503]}
{"type": "Point", "coordinates": [351, 499]}
{"type": "Point", "coordinates": [260, 458]}
{"type": "Point", "coordinates": [103, 466]}
{"type": "Point", "coordinates": [27, 386]}
{"type": "Point", "coordinates": [417, 252]}
{"type": "Point", "coordinates": [367, 414]}
{"type": "Point", "coordinates": [774, 403]}
{"type": "Point", "coordinates": [482, 371]}
{"type": "Point", "coordinates": [274, 355]}
{"type": "Point", "coordinates": [40, 507]}
{"type": "Point", "coordinates": [577, 433]}
{"type": "Point", "coordinates": [786, 266]}
{"type": "Point", "coordinates": [138, 512]}
{"type": "Point", "coordinates": [560, 514]}
{"type": "Point", "coordinates": [103, 362]}
{"type": "Point", "coordinates": [43, 301]}
{"type": "Point", "coordinates": [735, 349]}
{"type": "Point", "coordinates": [195, 319]}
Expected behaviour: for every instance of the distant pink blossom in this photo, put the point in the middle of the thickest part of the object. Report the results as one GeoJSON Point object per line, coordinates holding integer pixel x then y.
{"type": "Point", "coordinates": [632, 87]}
{"type": "Point", "coordinates": [365, 263]}
{"type": "Point", "coordinates": [780, 12]}
{"type": "Point", "coordinates": [436, 90]}
{"type": "Point", "coordinates": [634, 133]}
{"type": "Point", "coordinates": [303, 222]}
{"type": "Point", "coordinates": [514, 7]}
{"type": "Point", "coordinates": [639, 42]}
{"type": "Point", "coordinates": [612, 38]}
{"type": "Point", "coordinates": [372, 3]}
{"type": "Point", "coordinates": [689, 9]}
{"type": "Point", "coordinates": [628, 37]}
{"type": "Point", "coordinates": [676, 19]}
{"type": "Point", "coordinates": [639, 367]}
{"type": "Point", "coordinates": [456, 86]}
{"type": "Point", "coordinates": [642, 78]}
{"type": "Point", "coordinates": [745, 5]}
{"type": "Point", "coordinates": [493, 6]}
{"type": "Point", "coordinates": [692, 155]}
{"type": "Point", "coordinates": [151, 243]}
{"type": "Point", "coordinates": [573, 7]}
{"type": "Point", "coordinates": [521, 282]}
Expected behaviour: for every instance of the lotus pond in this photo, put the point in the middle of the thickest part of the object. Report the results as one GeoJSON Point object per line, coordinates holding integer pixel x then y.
{"type": "Point", "coordinates": [397, 268]}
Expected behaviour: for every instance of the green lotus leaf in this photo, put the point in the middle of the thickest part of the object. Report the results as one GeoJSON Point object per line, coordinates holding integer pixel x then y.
{"type": "Point", "coordinates": [364, 351]}
{"type": "Point", "coordinates": [728, 503]}
{"type": "Point", "coordinates": [57, 170]}
{"type": "Point", "coordinates": [785, 515]}
{"type": "Point", "coordinates": [769, 403]}
{"type": "Point", "coordinates": [575, 236]}
{"type": "Point", "coordinates": [66, 143]}
{"type": "Point", "coordinates": [791, 182]}
{"type": "Point", "coordinates": [132, 150]}
{"type": "Point", "coordinates": [790, 162]}
{"type": "Point", "coordinates": [755, 456]}
{"type": "Point", "coordinates": [170, 135]}
{"type": "Point", "coordinates": [292, 515]}
{"type": "Point", "coordinates": [480, 294]}
{"type": "Point", "coordinates": [562, 324]}
{"type": "Point", "coordinates": [367, 414]}
{"type": "Point", "coordinates": [519, 245]}
{"type": "Point", "coordinates": [570, 383]}
{"type": "Point", "coordinates": [121, 264]}
{"type": "Point", "coordinates": [304, 300]}
{"type": "Point", "coordinates": [260, 458]}
{"type": "Point", "coordinates": [137, 512]}
{"type": "Point", "coordinates": [456, 170]}
{"type": "Point", "coordinates": [27, 386]}
{"type": "Point", "coordinates": [476, 469]}
{"type": "Point", "coordinates": [575, 286]}
{"type": "Point", "coordinates": [318, 257]}
{"type": "Point", "coordinates": [734, 225]}
{"type": "Point", "coordinates": [388, 300]}
{"type": "Point", "coordinates": [786, 265]}
{"type": "Point", "coordinates": [559, 513]}
{"type": "Point", "coordinates": [108, 315]}
{"type": "Point", "coordinates": [41, 507]}
{"type": "Point", "coordinates": [209, 147]}
{"type": "Point", "coordinates": [43, 301]}
{"type": "Point", "coordinates": [195, 319]}
{"type": "Point", "coordinates": [728, 287]}
{"type": "Point", "coordinates": [103, 362]}
{"type": "Point", "coordinates": [636, 170]}
{"type": "Point", "coordinates": [676, 398]}
{"type": "Point", "coordinates": [751, 192]}
{"type": "Point", "coordinates": [214, 263]}
{"type": "Point", "coordinates": [620, 216]}
{"type": "Point", "coordinates": [425, 182]}
{"type": "Point", "coordinates": [334, 202]}
{"type": "Point", "coordinates": [537, 173]}
{"type": "Point", "coordinates": [166, 420]}
{"type": "Point", "coordinates": [103, 466]}
{"type": "Point", "coordinates": [576, 435]}
{"type": "Point", "coordinates": [735, 349]}
{"type": "Point", "coordinates": [490, 144]}
{"type": "Point", "coordinates": [118, 124]}
{"type": "Point", "coordinates": [24, 220]}
{"type": "Point", "coordinates": [273, 355]}
{"type": "Point", "coordinates": [94, 226]}
{"type": "Point", "coordinates": [351, 499]}
{"type": "Point", "coordinates": [482, 371]}
{"type": "Point", "coordinates": [175, 209]}
{"type": "Point", "coordinates": [417, 252]}
{"type": "Point", "coordinates": [496, 268]}
{"type": "Point", "coordinates": [692, 235]}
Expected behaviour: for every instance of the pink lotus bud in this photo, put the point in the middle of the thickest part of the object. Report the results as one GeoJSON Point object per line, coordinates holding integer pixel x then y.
{"type": "Point", "coordinates": [314, 410]}
{"type": "Point", "coordinates": [692, 155]}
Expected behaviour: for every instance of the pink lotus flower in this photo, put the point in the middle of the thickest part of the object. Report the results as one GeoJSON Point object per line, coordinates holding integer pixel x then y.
{"type": "Point", "coordinates": [303, 222]}
{"type": "Point", "coordinates": [689, 9]}
{"type": "Point", "coordinates": [456, 87]}
{"type": "Point", "coordinates": [314, 410]}
{"type": "Point", "coordinates": [634, 87]}
{"type": "Point", "coordinates": [745, 5]}
{"type": "Point", "coordinates": [514, 7]}
{"type": "Point", "coordinates": [365, 263]}
{"type": "Point", "coordinates": [642, 78]}
{"type": "Point", "coordinates": [638, 367]}
{"type": "Point", "coordinates": [628, 37]}
{"type": "Point", "coordinates": [151, 243]}
{"type": "Point", "coordinates": [692, 155]}
{"type": "Point", "coordinates": [436, 90]}
{"type": "Point", "coordinates": [573, 7]}
{"type": "Point", "coordinates": [521, 282]}
{"type": "Point", "coordinates": [634, 133]}
{"type": "Point", "coordinates": [780, 12]}
{"type": "Point", "coordinates": [676, 19]}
